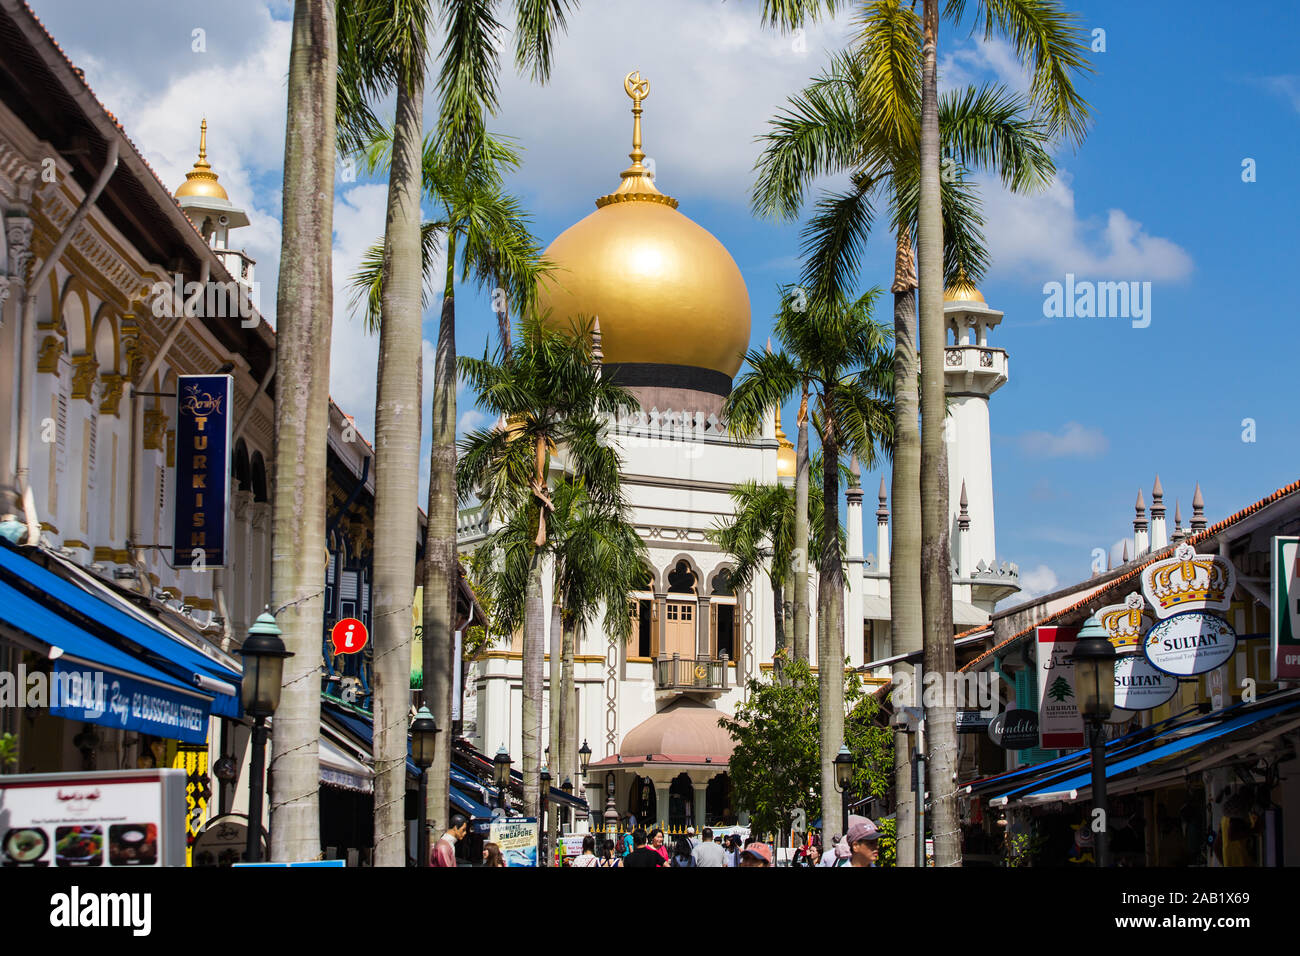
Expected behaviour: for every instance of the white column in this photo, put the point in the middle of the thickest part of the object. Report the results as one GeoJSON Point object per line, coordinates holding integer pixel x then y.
{"type": "Point", "coordinates": [1159, 536]}
{"type": "Point", "coordinates": [853, 642]}
{"type": "Point", "coordinates": [1140, 528]}
{"type": "Point", "coordinates": [882, 531]}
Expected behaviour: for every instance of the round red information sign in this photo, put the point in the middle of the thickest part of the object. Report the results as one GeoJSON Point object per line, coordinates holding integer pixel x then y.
{"type": "Point", "coordinates": [348, 636]}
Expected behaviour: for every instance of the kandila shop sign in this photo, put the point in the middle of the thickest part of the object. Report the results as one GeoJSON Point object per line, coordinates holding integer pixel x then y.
{"type": "Point", "coordinates": [1014, 729]}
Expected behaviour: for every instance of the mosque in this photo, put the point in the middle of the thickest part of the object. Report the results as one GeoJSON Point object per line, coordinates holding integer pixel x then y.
{"type": "Point", "coordinates": [674, 324]}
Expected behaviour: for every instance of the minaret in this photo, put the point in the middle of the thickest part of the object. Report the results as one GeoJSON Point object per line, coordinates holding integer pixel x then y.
{"type": "Point", "coordinates": [1198, 510]}
{"type": "Point", "coordinates": [854, 647]}
{"type": "Point", "coordinates": [1140, 527]}
{"type": "Point", "coordinates": [963, 535]}
{"type": "Point", "coordinates": [973, 371]}
{"type": "Point", "coordinates": [1179, 533]}
{"type": "Point", "coordinates": [882, 531]}
{"type": "Point", "coordinates": [205, 201]}
{"type": "Point", "coordinates": [1159, 537]}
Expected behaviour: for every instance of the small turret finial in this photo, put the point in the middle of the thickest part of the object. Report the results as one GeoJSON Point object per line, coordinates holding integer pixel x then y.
{"type": "Point", "coordinates": [882, 513]}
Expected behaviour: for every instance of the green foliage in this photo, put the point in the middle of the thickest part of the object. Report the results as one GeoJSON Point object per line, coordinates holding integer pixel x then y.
{"type": "Point", "coordinates": [1019, 849]}
{"type": "Point", "coordinates": [8, 751]}
{"type": "Point", "coordinates": [888, 827]}
{"type": "Point", "coordinates": [775, 766]}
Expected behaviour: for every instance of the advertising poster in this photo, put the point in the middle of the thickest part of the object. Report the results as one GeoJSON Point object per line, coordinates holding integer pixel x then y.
{"type": "Point", "coordinates": [517, 839]}
{"type": "Point", "coordinates": [202, 470]}
{"type": "Point", "coordinates": [1059, 725]}
{"type": "Point", "coordinates": [116, 818]}
{"type": "Point", "coordinates": [1285, 630]}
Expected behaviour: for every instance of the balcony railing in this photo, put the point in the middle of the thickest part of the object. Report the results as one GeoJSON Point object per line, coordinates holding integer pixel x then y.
{"type": "Point", "coordinates": [691, 673]}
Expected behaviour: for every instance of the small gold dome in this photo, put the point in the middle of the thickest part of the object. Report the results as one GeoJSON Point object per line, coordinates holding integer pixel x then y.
{"type": "Point", "coordinates": [786, 459]}
{"type": "Point", "coordinates": [201, 180]}
{"type": "Point", "coordinates": [962, 291]}
{"type": "Point", "coordinates": [666, 291]}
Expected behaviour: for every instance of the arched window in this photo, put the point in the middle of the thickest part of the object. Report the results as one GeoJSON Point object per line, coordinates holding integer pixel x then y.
{"type": "Point", "coordinates": [259, 477]}
{"type": "Point", "coordinates": [724, 616]}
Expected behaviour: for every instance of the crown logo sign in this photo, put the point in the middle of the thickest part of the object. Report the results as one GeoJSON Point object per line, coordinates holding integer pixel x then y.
{"type": "Point", "coordinates": [1127, 622]}
{"type": "Point", "coordinates": [1189, 582]}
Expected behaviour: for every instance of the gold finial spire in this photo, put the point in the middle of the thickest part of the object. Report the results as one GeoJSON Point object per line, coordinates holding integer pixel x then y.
{"type": "Point", "coordinates": [201, 180]}
{"type": "Point", "coordinates": [638, 182]}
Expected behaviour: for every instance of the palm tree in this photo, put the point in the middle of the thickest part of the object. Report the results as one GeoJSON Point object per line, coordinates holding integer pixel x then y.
{"type": "Point", "coordinates": [382, 46]}
{"type": "Point", "coordinates": [304, 306]}
{"type": "Point", "coordinates": [835, 346]}
{"type": "Point", "coordinates": [763, 531]}
{"type": "Point", "coordinates": [1050, 42]}
{"type": "Point", "coordinates": [556, 405]}
{"type": "Point", "coordinates": [861, 116]}
{"type": "Point", "coordinates": [487, 238]}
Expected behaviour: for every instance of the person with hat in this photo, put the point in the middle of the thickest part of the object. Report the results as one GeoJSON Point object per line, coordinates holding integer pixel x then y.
{"type": "Point", "coordinates": [863, 840]}
{"type": "Point", "coordinates": [756, 854]}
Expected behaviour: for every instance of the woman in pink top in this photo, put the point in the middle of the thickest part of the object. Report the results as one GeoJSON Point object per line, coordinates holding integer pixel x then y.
{"type": "Point", "coordinates": [657, 843]}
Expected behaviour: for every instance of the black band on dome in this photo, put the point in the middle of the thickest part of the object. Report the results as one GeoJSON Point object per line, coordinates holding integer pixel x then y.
{"type": "Point", "coordinates": [653, 375]}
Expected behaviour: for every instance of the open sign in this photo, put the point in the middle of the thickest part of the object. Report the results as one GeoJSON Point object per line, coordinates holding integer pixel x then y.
{"type": "Point", "coordinates": [348, 636]}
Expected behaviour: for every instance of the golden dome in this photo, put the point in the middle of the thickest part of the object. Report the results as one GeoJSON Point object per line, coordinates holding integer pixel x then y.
{"type": "Point", "coordinates": [201, 180]}
{"type": "Point", "coordinates": [665, 290]}
{"type": "Point", "coordinates": [785, 453]}
{"type": "Point", "coordinates": [962, 291]}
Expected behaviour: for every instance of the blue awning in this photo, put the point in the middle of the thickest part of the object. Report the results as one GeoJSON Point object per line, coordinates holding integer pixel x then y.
{"type": "Point", "coordinates": [98, 683]}
{"type": "Point", "coordinates": [1115, 767]}
{"type": "Point", "coordinates": [96, 615]}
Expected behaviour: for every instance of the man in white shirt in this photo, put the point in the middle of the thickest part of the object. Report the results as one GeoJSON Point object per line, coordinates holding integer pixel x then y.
{"type": "Point", "coordinates": [708, 853]}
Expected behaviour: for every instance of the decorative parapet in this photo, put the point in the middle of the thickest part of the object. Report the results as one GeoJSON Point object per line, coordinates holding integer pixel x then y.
{"type": "Point", "coordinates": [670, 424]}
{"type": "Point", "coordinates": [992, 572]}
{"type": "Point", "coordinates": [472, 522]}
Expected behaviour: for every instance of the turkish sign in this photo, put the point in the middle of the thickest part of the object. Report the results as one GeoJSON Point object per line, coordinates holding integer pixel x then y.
{"type": "Point", "coordinates": [1015, 730]}
{"type": "Point", "coordinates": [349, 636]}
{"type": "Point", "coordinates": [1284, 636]}
{"type": "Point", "coordinates": [202, 470]}
{"type": "Point", "coordinates": [517, 839]}
{"type": "Point", "coordinates": [1127, 623]}
{"type": "Point", "coordinates": [1060, 725]}
{"type": "Point", "coordinates": [1190, 643]}
{"type": "Point", "coordinates": [1189, 582]}
{"type": "Point", "coordinates": [1139, 686]}
{"type": "Point", "coordinates": [129, 703]}
{"type": "Point", "coordinates": [110, 818]}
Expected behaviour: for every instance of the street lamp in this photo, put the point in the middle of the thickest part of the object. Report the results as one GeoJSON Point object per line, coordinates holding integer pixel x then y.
{"type": "Point", "coordinates": [584, 756]}
{"type": "Point", "coordinates": [501, 775]}
{"type": "Point", "coordinates": [1094, 688]}
{"type": "Point", "coordinates": [259, 693]}
{"type": "Point", "coordinates": [843, 774]}
{"type": "Point", "coordinates": [423, 731]}
{"type": "Point", "coordinates": [567, 787]}
{"type": "Point", "coordinates": [611, 811]}
{"type": "Point", "coordinates": [544, 779]}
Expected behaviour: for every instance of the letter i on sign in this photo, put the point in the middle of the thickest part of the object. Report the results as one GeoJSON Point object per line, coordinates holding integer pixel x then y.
{"type": "Point", "coordinates": [348, 636]}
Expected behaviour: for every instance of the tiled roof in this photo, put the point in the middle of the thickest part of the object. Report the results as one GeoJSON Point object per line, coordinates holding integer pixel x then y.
{"type": "Point", "coordinates": [1127, 576]}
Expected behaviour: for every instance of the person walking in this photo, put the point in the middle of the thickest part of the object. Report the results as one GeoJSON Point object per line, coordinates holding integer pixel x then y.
{"type": "Point", "coordinates": [731, 857]}
{"type": "Point", "coordinates": [642, 856]}
{"type": "Point", "coordinates": [609, 856]}
{"type": "Point", "coordinates": [682, 852]}
{"type": "Point", "coordinates": [444, 852]}
{"type": "Point", "coordinates": [708, 853]}
{"type": "Point", "coordinates": [690, 835]}
{"type": "Point", "coordinates": [756, 854]}
{"type": "Point", "coordinates": [863, 840]}
{"type": "Point", "coordinates": [588, 855]}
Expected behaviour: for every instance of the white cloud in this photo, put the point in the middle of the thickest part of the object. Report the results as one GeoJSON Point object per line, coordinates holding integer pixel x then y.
{"type": "Point", "coordinates": [1287, 86]}
{"type": "Point", "coordinates": [971, 66]}
{"type": "Point", "coordinates": [1074, 441]}
{"type": "Point", "coordinates": [1041, 580]}
{"type": "Point", "coordinates": [1042, 237]}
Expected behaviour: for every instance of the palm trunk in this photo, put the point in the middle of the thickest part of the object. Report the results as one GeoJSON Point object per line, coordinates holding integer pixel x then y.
{"type": "Point", "coordinates": [905, 544]}
{"type": "Point", "coordinates": [830, 618]}
{"type": "Point", "coordinates": [555, 704]}
{"type": "Point", "coordinates": [936, 556]}
{"type": "Point", "coordinates": [566, 768]}
{"type": "Point", "coordinates": [441, 570]}
{"type": "Point", "coordinates": [305, 309]}
{"type": "Point", "coordinates": [801, 533]}
{"type": "Point", "coordinates": [778, 615]}
{"type": "Point", "coordinates": [397, 472]}
{"type": "Point", "coordinates": [534, 643]}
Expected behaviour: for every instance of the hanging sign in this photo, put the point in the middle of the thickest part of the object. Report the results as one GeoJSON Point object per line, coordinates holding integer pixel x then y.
{"type": "Point", "coordinates": [1059, 722]}
{"type": "Point", "coordinates": [1014, 729]}
{"type": "Point", "coordinates": [1139, 686]}
{"type": "Point", "coordinates": [202, 470]}
{"type": "Point", "coordinates": [349, 636]}
{"type": "Point", "coordinates": [1189, 582]}
{"type": "Point", "coordinates": [1285, 615]}
{"type": "Point", "coordinates": [1190, 643]}
{"type": "Point", "coordinates": [972, 722]}
{"type": "Point", "coordinates": [1127, 623]}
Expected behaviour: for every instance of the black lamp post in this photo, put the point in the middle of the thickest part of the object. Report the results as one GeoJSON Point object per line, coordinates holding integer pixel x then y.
{"type": "Point", "coordinates": [567, 787]}
{"type": "Point", "coordinates": [423, 731]}
{"type": "Point", "coordinates": [501, 776]}
{"type": "Point", "coordinates": [584, 756]}
{"type": "Point", "coordinates": [843, 774]}
{"type": "Point", "coordinates": [259, 693]}
{"type": "Point", "coordinates": [584, 761]}
{"type": "Point", "coordinates": [1094, 688]}
{"type": "Point", "coordinates": [545, 781]}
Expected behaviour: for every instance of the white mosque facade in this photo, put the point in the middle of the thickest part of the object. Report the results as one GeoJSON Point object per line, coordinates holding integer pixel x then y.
{"type": "Point", "coordinates": [674, 323]}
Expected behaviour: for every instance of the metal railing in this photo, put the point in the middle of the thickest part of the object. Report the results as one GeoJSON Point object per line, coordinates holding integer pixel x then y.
{"type": "Point", "coordinates": [691, 673]}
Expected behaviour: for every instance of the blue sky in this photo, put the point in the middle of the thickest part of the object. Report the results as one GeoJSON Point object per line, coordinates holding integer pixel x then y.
{"type": "Point", "coordinates": [1094, 408]}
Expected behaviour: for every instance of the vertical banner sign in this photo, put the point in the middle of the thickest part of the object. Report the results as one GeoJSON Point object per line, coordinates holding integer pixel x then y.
{"type": "Point", "coordinates": [1060, 727]}
{"type": "Point", "coordinates": [203, 426]}
{"type": "Point", "coordinates": [1285, 636]}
